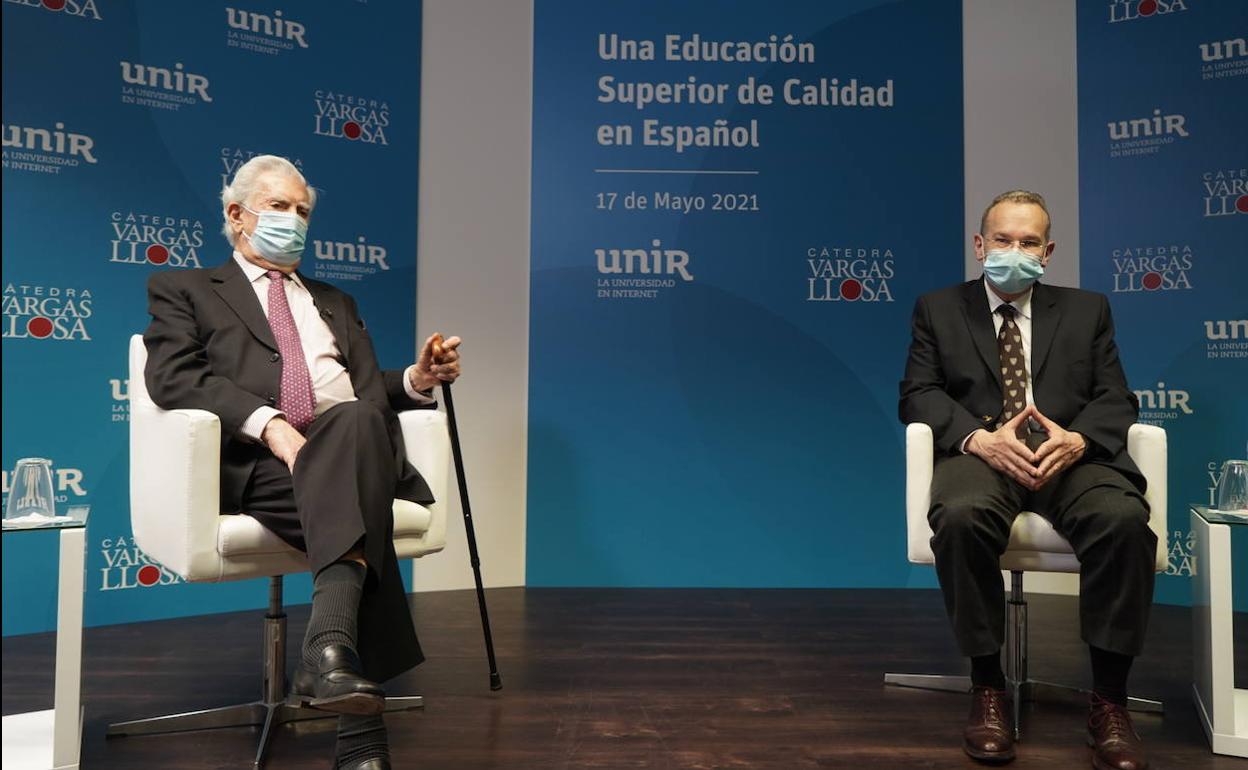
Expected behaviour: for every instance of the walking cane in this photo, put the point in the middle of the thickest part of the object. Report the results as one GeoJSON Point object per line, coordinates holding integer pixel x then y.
{"type": "Point", "coordinates": [496, 682]}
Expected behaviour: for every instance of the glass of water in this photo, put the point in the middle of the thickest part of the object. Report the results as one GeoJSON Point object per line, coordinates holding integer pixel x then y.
{"type": "Point", "coordinates": [1233, 486]}
{"type": "Point", "coordinates": [30, 489]}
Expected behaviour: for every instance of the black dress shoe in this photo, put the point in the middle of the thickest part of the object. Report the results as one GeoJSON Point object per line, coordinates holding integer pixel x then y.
{"type": "Point", "coordinates": [337, 685]}
{"type": "Point", "coordinates": [376, 763]}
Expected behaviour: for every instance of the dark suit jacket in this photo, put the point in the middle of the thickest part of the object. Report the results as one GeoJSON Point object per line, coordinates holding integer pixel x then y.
{"type": "Point", "coordinates": [953, 375]}
{"type": "Point", "coordinates": [209, 346]}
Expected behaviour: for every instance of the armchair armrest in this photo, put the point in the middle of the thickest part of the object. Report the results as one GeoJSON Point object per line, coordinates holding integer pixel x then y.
{"type": "Point", "coordinates": [428, 445]}
{"type": "Point", "coordinates": [920, 458]}
{"type": "Point", "coordinates": [175, 466]}
{"type": "Point", "coordinates": [1147, 446]}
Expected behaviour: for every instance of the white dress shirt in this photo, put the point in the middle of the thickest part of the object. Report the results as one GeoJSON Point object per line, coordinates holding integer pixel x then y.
{"type": "Point", "coordinates": [1022, 320]}
{"type": "Point", "coordinates": [331, 382]}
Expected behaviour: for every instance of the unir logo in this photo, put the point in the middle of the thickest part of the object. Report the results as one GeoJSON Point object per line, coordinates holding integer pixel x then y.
{"type": "Point", "coordinates": [1218, 50]}
{"type": "Point", "coordinates": [64, 143]}
{"type": "Point", "coordinates": [360, 252]}
{"type": "Point", "coordinates": [270, 26]}
{"type": "Point", "coordinates": [653, 261]}
{"type": "Point", "coordinates": [1226, 338]}
{"type": "Point", "coordinates": [1163, 403]}
{"type": "Point", "coordinates": [1155, 125]}
{"type": "Point", "coordinates": [160, 87]}
{"type": "Point", "coordinates": [1236, 329]}
{"type": "Point", "coordinates": [120, 390]}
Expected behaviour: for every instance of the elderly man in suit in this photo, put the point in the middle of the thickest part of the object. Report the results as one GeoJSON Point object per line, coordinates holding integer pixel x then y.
{"type": "Point", "coordinates": [1021, 384]}
{"type": "Point", "coordinates": [311, 445]}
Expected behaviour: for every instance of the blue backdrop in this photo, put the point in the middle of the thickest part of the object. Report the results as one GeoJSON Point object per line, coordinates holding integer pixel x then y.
{"type": "Point", "coordinates": [1163, 164]}
{"type": "Point", "coordinates": [718, 329]}
{"type": "Point", "coordinates": [121, 121]}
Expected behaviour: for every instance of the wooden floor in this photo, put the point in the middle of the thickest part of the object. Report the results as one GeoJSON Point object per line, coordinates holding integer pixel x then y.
{"type": "Point", "coordinates": [627, 679]}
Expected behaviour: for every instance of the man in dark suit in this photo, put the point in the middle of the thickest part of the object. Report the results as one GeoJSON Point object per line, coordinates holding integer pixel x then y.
{"type": "Point", "coordinates": [311, 444]}
{"type": "Point", "coordinates": [1029, 409]}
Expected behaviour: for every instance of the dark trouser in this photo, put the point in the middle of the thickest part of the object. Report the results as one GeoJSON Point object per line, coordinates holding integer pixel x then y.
{"type": "Point", "coordinates": [341, 497]}
{"type": "Point", "coordinates": [1101, 514]}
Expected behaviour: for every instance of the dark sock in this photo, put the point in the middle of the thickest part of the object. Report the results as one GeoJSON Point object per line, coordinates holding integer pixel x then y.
{"type": "Point", "coordinates": [1109, 674]}
{"type": "Point", "coordinates": [986, 671]}
{"type": "Point", "coordinates": [336, 592]}
{"type": "Point", "coordinates": [360, 738]}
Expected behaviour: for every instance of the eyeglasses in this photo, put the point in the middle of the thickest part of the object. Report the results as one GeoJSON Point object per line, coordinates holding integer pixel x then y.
{"type": "Point", "coordinates": [1029, 246]}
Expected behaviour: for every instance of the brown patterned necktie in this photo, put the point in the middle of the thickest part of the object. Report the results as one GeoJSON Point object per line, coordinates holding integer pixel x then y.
{"type": "Point", "coordinates": [1013, 365]}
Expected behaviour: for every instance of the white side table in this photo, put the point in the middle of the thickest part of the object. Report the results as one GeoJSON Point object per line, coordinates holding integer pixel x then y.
{"type": "Point", "coordinates": [1223, 708]}
{"type": "Point", "coordinates": [53, 738]}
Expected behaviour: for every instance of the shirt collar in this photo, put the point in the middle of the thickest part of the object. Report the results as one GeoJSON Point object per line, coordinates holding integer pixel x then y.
{"type": "Point", "coordinates": [254, 272]}
{"type": "Point", "coordinates": [1022, 304]}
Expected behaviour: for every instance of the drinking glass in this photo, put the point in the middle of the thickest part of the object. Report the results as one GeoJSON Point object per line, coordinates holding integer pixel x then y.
{"type": "Point", "coordinates": [1233, 487]}
{"type": "Point", "coordinates": [30, 489]}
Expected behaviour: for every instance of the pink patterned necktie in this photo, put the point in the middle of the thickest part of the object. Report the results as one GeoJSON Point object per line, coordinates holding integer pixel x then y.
{"type": "Point", "coordinates": [296, 398]}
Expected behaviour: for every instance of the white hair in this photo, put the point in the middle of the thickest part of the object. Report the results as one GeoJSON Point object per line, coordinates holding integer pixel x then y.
{"type": "Point", "coordinates": [247, 180]}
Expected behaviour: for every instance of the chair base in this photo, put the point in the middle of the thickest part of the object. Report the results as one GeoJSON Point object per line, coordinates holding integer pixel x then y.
{"type": "Point", "coordinates": [267, 716]}
{"type": "Point", "coordinates": [267, 713]}
{"type": "Point", "coordinates": [1023, 688]}
{"type": "Point", "coordinates": [1023, 692]}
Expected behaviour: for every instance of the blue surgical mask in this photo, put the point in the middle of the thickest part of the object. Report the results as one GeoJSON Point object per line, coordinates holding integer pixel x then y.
{"type": "Point", "coordinates": [279, 236]}
{"type": "Point", "coordinates": [1013, 271]}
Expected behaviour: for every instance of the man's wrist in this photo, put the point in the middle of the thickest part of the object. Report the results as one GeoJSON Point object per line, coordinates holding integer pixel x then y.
{"type": "Point", "coordinates": [1083, 442]}
{"type": "Point", "coordinates": [253, 427]}
{"type": "Point", "coordinates": [411, 385]}
{"type": "Point", "coordinates": [275, 423]}
{"type": "Point", "coordinates": [419, 381]}
{"type": "Point", "coordinates": [970, 437]}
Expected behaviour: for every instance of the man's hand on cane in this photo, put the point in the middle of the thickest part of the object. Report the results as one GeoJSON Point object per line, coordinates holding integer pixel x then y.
{"type": "Point", "coordinates": [438, 362]}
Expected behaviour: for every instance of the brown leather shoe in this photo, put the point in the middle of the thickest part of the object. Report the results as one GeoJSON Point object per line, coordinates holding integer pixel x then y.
{"type": "Point", "coordinates": [1115, 746]}
{"type": "Point", "coordinates": [989, 733]}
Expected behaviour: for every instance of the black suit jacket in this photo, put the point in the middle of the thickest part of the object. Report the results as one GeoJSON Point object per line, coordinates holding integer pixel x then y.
{"type": "Point", "coordinates": [953, 372]}
{"type": "Point", "coordinates": [209, 346]}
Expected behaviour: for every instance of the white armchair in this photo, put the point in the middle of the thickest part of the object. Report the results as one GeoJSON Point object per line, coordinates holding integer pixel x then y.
{"type": "Point", "coordinates": [176, 519]}
{"type": "Point", "coordinates": [1034, 546]}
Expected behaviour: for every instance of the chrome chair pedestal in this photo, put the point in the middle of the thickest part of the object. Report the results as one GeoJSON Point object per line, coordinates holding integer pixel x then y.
{"type": "Point", "coordinates": [1021, 687]}
{"type": "Point", "coordinates": [268, 713]}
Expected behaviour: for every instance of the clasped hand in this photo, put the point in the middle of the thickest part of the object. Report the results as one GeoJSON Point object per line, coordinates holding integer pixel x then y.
{"type": "Point", "coordinates": [1004, 451]}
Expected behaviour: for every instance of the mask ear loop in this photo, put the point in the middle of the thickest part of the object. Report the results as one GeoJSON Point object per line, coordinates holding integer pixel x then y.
{"type": "Point", "coordinates": [244, 233]}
